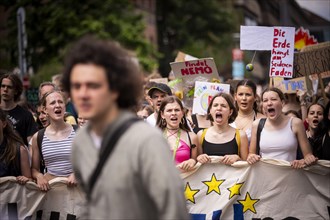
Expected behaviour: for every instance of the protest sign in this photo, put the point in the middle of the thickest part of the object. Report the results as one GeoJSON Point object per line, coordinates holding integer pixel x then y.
{"type": "Point", "coordinates": [314, 61]}
{"type": "Point", "coordinates": [279, 40]}
{"type": "Point", "coordinates": [181, 57]}
{"type": "Point", "coordinates": [191, 71]}
{"type": "Point", "coordinates": [303, 38]}
{"type": "Point", "coordinates": [291, 85]}
{"type": "Point", "coordinates": [159, 80]}
{"type": "Point", "coordinates": [204, 91]}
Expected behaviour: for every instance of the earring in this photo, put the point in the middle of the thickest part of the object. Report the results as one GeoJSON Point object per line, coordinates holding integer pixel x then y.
{"type": "Point", "coordinates": [164, 122]}
{"type": "Point", "coordinates": [183, 121]}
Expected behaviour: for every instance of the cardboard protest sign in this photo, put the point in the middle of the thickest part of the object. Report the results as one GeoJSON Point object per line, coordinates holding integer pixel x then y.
{"type": "Point", "coordinates": [177, 83]}
{"type": "Point", "coordinates": [191, 71]}
{"type": "Point", "coordinates": [204, 91]}
{"type": "Point", "coordinates": [303, 38]}
{"type": "Point", "coordinates": [159, 80]}
{"type": "Point", "coordinates": [291, 85]}
{"type": "Point", "coordinates": [279, 40]}
{"type": "Point", "coordinates": [314, 61]}
{"type": "Point", "coordinates": [181, 57]}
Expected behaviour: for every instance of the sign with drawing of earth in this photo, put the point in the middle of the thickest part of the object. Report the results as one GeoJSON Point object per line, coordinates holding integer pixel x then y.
{"type": "Point", "coordinates": [204, 91]}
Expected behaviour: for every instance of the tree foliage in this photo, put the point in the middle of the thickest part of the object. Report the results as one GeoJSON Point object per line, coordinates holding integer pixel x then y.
{"type": "Point", "coordinates": [201, 28]}
{"type": "Point", "coordinates": [53, 24]}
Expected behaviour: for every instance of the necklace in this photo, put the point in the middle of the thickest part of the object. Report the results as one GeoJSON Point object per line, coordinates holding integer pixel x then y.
{"type": "Point", "coordinates": [246, 116]}
{"type": "Point", "coordinates": [171, 134]}
{"type": "Point", "coordinates": [176, 141]}
{"type": "Point", "coordinates": [245, 120]}
{"type": "Point", "coordinates": [220, 132]}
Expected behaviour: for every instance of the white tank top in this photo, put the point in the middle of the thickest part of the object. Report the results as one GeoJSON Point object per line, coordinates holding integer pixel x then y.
{"type": "Point", "coordinates": [281, 144]}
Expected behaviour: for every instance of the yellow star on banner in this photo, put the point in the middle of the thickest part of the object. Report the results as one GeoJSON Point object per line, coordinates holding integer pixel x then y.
{"type": "Point", "coordinates": [248, 203]}
{"type": "Point", "coordinates": [213, 185]}
{"type": "Point", "coordinates": [190, 193]}
{"type": "Point", "coordinates": [235, 189]}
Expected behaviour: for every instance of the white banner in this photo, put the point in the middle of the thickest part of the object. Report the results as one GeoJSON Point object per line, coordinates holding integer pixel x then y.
{"type": "Point", "coordinates": [268, 189]}
{"type": "Point", "coordinates": [256, 38]}
{"type": "Point", "coordinates": [28, 202]}
{"type": "Point", "coordinates": [279, 40]}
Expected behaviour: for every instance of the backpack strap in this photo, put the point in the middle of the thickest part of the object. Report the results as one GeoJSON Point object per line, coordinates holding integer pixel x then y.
{"type": "Point", "coordinates": [18, 159]}
{"type": "Point", "coordinates": [190, 143]}
{"type": "Point", "coordinates": [109, 142]}
{"type": "Point", "coordinates": [75, 127]}
{"type": "Point", "coordinates": [238, 140]}
{"type": "Point", "coordinates": [40, 137]}
{"type": "Point", "coordinates": [259, 129]}
{"type": "Point", "coordinates": [203, 136]}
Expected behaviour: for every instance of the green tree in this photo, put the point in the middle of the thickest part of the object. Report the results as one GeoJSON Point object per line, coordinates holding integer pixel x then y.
{"type": "Point", "coordinates": [53, 24]}
{"type": "Point", "coordinates": [201, 28]}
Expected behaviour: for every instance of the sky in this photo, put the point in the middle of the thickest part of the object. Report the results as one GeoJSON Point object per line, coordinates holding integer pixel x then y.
{"type": "Point", "coordinates": [319, 7]}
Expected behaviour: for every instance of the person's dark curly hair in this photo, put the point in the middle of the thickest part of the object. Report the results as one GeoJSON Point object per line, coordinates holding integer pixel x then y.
{"type": "Point", "coordinates": [121, 71]}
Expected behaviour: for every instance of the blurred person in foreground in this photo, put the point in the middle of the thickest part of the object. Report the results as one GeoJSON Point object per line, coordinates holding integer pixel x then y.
{"type": "Point", "coordinates": [139, 180]}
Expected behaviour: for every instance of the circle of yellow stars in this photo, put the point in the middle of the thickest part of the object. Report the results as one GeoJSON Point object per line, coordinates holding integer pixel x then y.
{"type": "Point", "coordinates": [214, 186]}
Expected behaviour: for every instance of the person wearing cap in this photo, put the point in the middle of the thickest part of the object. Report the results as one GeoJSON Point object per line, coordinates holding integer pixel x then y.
{"type": "Point", "coordinates": [157, 93]}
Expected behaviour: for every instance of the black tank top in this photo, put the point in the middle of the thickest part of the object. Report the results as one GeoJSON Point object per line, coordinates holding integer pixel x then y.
{"type": "Point", "coordinates": [223, 149]}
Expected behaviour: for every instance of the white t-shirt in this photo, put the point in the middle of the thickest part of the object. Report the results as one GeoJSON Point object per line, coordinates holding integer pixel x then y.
{"type": "Point", "coordinates": [151, 120]}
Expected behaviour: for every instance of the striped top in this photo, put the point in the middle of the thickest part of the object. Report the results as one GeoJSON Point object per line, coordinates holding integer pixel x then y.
{"type": "Point", "coordinates": [57, 155]}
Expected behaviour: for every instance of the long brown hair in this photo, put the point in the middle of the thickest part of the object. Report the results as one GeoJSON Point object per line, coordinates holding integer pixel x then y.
{"type": "Point", "coordinates": [172, 99]}
{"type": "Point", "coordinates": [12, 140]}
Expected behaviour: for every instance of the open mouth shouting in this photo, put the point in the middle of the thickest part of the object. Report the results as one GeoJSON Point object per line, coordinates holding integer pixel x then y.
{"type": "Point", "coordinates": [58, 112]}
{"type": "Point", "coordinates": [218, 117]}
{"type": "Point", "coordinates": [271, 112]}
{"type": "Point", "coordinates": [315, 122]}
{"type": "Point", "coordinates": [174, 119]}
{"type": "Point", "coordinates": [44, 121]}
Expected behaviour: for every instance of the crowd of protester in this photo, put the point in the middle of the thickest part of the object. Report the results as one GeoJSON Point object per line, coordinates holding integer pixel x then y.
{"type": "Point", "coordinates": [243, 111]}
{"type": "Point", "coordinates": [36, 145]}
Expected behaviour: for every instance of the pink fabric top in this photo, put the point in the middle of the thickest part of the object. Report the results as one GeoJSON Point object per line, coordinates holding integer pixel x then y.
{"type": "Point", "coordinates": [182, 153]}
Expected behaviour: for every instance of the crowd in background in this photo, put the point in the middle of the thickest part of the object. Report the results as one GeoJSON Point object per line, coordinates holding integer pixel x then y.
{"type": "Point", "coordinates": [246, 105]}
{"type": "Point", "coordinates": [243, 125]}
